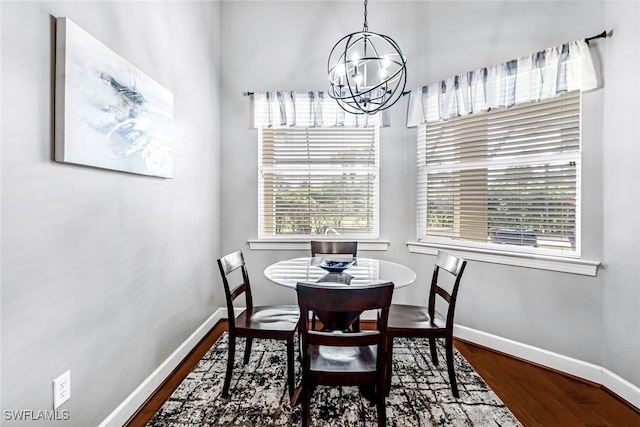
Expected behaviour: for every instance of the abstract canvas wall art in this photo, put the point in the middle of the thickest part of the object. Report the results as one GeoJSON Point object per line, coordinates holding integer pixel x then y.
{"type": "Point", "coordinates": [109, 114]}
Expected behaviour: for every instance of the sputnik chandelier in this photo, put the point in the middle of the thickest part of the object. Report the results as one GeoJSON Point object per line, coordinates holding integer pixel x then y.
{"type": "Point", "coordinates": [367, 71]}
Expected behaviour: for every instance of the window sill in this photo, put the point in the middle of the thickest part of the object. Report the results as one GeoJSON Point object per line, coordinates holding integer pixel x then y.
{"type": "Point", "coordinates": [300, 244]}
{"type": "Point", "coordinates": [540, 262]}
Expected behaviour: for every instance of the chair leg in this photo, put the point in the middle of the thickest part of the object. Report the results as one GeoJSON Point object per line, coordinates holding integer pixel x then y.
{"type": "Point", "coordinates": [230, 360]}
{"type": "Point", "coordinates": [434, 353]}
{"type": "Point", "coordinates": [247, 350]}
{"type": "Point", "coordinates": [290, 373]}
{"type": "Point", "coordinates": [388, 367]}
{"type": "Point", "coordinates": [380, 406]}
{"type": "Point", "coordinates": [307, 390]}
{"type": "Point", "coordinates": [452, 374]}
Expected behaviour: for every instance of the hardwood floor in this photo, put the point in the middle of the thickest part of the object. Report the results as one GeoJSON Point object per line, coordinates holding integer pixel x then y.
{"type": "Point", "coordinates": [537, 396]}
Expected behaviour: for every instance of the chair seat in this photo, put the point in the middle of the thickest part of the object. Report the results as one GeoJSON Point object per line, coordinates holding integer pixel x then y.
{"type": "Point", "coordinates": [412, 317]}
{"type": "Point", "coordinates": [270, 318]}
{"type": "Point", "coordinates": [342, 359]}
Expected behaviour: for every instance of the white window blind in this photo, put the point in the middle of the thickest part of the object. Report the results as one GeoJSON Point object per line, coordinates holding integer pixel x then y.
{"type": "Point", "coordinates": [507, 177]}
{"type": "Point", "coordinates": [316, 181]}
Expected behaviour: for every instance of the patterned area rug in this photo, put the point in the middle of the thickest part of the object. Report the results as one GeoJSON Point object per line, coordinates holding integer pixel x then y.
{"type": "Point", "coordinates": [420, 393]}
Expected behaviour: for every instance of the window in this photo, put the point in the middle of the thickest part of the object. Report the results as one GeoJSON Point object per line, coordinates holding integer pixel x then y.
{"type": "Point", "coordinates": [507, 178]}
{"type": "Point", "coordinates": [318, 181]}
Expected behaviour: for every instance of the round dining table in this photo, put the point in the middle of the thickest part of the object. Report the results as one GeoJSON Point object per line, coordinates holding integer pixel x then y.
{"type": "Point", "coordinates": [364, 271]}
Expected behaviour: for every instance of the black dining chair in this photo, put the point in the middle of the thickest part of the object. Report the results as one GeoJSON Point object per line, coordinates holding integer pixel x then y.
{"type": "Point", "coordinates": [277, 322]}
{"type": "Point", "coordinates": [335, 358]}
{"type": "Point", "coordinates": [426, 321]}
{"type": "Point", "coordinates": [324, 247]}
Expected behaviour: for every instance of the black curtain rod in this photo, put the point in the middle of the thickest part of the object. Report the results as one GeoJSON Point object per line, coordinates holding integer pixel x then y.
{"type": "Point", "coordinates": [602, 35]}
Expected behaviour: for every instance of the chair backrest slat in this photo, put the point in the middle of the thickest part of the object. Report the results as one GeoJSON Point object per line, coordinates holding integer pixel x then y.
{"type": "Point", "coordinates": [239, 290]}
{"type": "Point", "coordinates": [443, 293]}
{"type": "Point", "coordinates": [326, 297]}
{"type": "Point", "coordinates": [452, 264]}
{"type": "Point", "coordinates": [338, 247]}
{"type": "Point", "coordinates": [231, 262]}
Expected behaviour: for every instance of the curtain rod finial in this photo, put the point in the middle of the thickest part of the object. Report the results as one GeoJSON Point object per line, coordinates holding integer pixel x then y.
{"type": "Point", "coordinates": [602, 35]}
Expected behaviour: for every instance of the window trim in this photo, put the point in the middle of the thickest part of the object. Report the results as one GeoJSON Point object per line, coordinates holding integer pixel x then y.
{"type": "Point", "coordinates": [292, 244]}
{"type": "Point", "coordinates": [516, 259]}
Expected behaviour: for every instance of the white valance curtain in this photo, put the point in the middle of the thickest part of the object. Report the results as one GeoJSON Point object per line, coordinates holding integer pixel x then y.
{"type": "Point", "coordinates": [306, 109]}
{"type": "Point", "coordinates": [541, 75]}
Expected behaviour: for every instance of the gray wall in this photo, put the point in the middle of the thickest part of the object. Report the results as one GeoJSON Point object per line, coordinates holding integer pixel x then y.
{"type": "Point", "coordinates": [105, 273]}
{"type": "Point", "coordinates": [284, 45]}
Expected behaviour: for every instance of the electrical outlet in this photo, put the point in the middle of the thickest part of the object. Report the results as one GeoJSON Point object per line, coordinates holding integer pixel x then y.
{"type": "Point", "coordinates": [61, 389]}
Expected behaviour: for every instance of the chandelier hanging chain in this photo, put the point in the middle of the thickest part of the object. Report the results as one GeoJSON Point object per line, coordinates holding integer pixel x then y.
{"type": "Point", "coordinates": [366, 27]}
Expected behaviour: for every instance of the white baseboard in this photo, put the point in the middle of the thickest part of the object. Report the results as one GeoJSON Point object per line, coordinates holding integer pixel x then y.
{"type": "Point", "coordinates": [136, 399]}
{"type": "Point", "coordinates": [559, 362]}
{"type": "Point", "coordinates": [621, 387]}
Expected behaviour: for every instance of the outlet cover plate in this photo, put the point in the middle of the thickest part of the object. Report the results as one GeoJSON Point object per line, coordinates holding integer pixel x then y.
{"type": "Point", "coordinates": [61, 389]}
